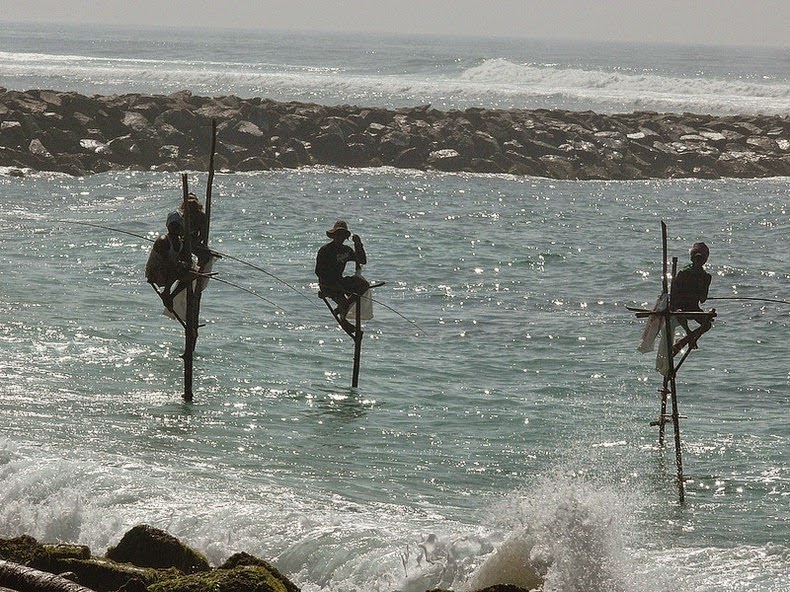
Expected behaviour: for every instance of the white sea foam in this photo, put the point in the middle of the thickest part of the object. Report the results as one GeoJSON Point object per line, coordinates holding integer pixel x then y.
{"type": "Point", "coordinates": [627, 91]}
{"type": "Point", "coordinates": [567, 534]}
{"type": "Point", "coordinates": [498, 83]}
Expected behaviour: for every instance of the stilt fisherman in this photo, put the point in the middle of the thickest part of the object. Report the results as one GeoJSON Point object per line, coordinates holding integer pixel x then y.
{"type": "Point", "coordinates": [330, 263]}
{"type": "Point", "coordinates": [690, 289]}
{"type": "Point", "coordinates": [165, 266]}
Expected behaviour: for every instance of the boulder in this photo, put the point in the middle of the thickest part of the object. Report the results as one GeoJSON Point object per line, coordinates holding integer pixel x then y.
{"type": "Point", "coordinates": [330, 148]}
{"type": "Point", "coordinates": [245, 559]}
{"type": "Point", "coordinates": [37, 148]}
{"type": "Point", "coordinates": [448, 160]}
{"type": "Point", "coordinates": [28, 579]}
{"type": "Point", "coordinates": [410, 158]}
{"type": "Point", "coordinates": [244, 578]}
{"type": "Point", "coordinates": [135, 121]}
{"type": "Point", "coordinates": [485, 145]}
{"type": "Point", "coordinates": [146, 546]}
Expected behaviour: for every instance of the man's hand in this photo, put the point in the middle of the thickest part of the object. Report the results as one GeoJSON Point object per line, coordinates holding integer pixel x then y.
{"type": "Point", "coordinates": [356, 239]}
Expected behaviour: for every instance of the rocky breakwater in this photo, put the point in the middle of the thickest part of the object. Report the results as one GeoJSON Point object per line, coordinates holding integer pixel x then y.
{"type": "Point", "coordinates": [72, 133]}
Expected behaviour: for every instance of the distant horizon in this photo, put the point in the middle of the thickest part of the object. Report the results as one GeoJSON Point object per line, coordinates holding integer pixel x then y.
{"type": "Point", "coordinates": [721, 23]}
{"type": "Point", "coordinates": [383, 34]}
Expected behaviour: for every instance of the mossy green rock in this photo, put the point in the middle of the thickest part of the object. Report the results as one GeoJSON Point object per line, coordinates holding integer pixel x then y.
{"type": "Point", "coordinates": [25, 550]}
{"type": "Point", "coordinates": [146, 546]}
{"type": "Point", "coordinates": [104, 575]}
{"type": "Point", "coordinates": [243, 558]}
{"type": "Point", "coordinates": [244, 578]}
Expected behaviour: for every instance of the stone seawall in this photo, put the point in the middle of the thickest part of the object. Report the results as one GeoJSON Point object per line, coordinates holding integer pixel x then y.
{"type": "Point", "coordinates": [72, 133]}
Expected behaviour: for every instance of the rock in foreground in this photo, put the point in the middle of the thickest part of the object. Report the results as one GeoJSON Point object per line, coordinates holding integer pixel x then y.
{"type": "Point", "coordinates": [72, 133]}
{"type": "Point", "coordinates": [149, 560]}
{"type": "Point", "coordinates": [29, 566]}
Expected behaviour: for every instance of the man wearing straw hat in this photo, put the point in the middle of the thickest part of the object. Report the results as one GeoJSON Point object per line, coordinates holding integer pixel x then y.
{"type": "Point", "coordinates": [330, 262]}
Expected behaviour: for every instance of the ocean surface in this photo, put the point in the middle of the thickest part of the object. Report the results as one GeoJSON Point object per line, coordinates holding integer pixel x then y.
{"type": "Point", "coordinates": [501, 426]}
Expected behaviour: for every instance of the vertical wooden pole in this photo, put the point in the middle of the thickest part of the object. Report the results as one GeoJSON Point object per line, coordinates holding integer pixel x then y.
{"type": "Point", "coordinates": [194, 296]}
{"type": "Point", "coordinates": [210, 180]}
{"type": "Point", "coordinates": [667, 333]}
{"type": "Point", "coordinates": [675, 409]}
{"type": "Point", "coordinates": [207, 210]}
{"type": "Point", "coordinates": [664, 282]}
{"type": "Point", "coordinates": [190, 331]}
{"type": "Point", "coordinates": [357, 341]}
{"type": "Point", "coordinates": [665, 388]}
{"type": "Point", "coordinates": [669, 379]}
{"type": "Point", "coordinates": [661, 418]}
{"type": "Point", "coordinates": [678, 452]}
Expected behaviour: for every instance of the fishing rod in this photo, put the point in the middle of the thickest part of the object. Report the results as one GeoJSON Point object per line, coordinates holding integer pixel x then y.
{"type": "Point", "coordinates": [748, 298]}
{"type": "Point", "coordinates": [380, 303]}
{"type": "Point", "coordinates": [212, 251]}
{"type": "Point", "coordinates": [238, 260]}
{"type": "Point", "coordinates": [253, 292]}
{"type": "Point", "coordinates": [253, 266]}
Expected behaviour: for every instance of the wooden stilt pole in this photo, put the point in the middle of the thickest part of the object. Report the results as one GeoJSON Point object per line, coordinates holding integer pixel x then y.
{"type": "Point", "coordinates": [670, 350]}
{"type": "Point", "coordinates": [678, 450]}
{"type": "Point", "coordinates": [192, 321]}
{"type": "Point", "coordinates": [669, 379]}
{"type": "Point", "coordinates": [354, 331]}
{"type": "Point", "coordinates": [674, 394]}
{"type": "Point", "coordinates": [358, 334]}
{"type": "Point", "coordinates": [662, 417]}
{"type": "Point", "coordinates": [210, 181]}
{"type": "Point", "coordinates": [190, 332]}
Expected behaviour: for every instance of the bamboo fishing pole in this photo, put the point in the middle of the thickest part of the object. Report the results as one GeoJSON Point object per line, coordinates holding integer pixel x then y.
{"type": "Point", "coordinates": [772, 300]}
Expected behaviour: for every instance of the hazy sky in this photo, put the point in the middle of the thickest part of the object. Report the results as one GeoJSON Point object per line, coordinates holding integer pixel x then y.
{"type": "Point", "coordinates": [755, 22]}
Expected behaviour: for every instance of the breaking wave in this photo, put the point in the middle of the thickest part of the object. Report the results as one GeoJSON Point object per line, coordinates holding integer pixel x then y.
{"type": "Point", "coordinates": [566, 534]}
{"type": "Point", "coordinates": [629, 91]}
{"type": "Point", "coordinates": [494, 83]}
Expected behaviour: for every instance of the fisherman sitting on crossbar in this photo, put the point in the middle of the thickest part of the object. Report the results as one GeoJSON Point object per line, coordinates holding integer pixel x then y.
{"type": "Point", "coordinates": [165, 266]}
{"type": "Point", "coordinates": [689, 290]}
{"type": "Point", "coordinates": [330, 262]}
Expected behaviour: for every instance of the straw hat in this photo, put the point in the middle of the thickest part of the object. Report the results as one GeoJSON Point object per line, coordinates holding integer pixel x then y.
{"type": "Point", "coordinates": [340, 225]}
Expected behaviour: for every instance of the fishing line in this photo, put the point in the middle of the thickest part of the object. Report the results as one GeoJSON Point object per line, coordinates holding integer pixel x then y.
{"type": "Point", "coordinates": [243, 262]}
{"type": "Point", "coordinates": [253, 292]}
{"type": "Point", "coordinates": [212, 251]}
{"type": "Point", "coordinates": [747, 298]}
{"type": "Point", "coordinates": [253, 266]}
{"type": "Point", "coordinates": [380, 303]}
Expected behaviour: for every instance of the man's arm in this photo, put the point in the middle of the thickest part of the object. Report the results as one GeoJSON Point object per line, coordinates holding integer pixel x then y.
{"type": "Point", "coordinates": [320, 262]}
{"type": "Point", "coordinates": [703, 296]}
{"type": "Point", "coordinates": [359, 251]}
{"type": "Point", "coordinates": [161, 245]}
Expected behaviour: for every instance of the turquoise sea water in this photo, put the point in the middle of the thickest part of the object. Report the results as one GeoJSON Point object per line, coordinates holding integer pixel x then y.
{"type": "Point", "coordinates": [519, 413]}
{"type": "Point", "coordinates": [507, 436]}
